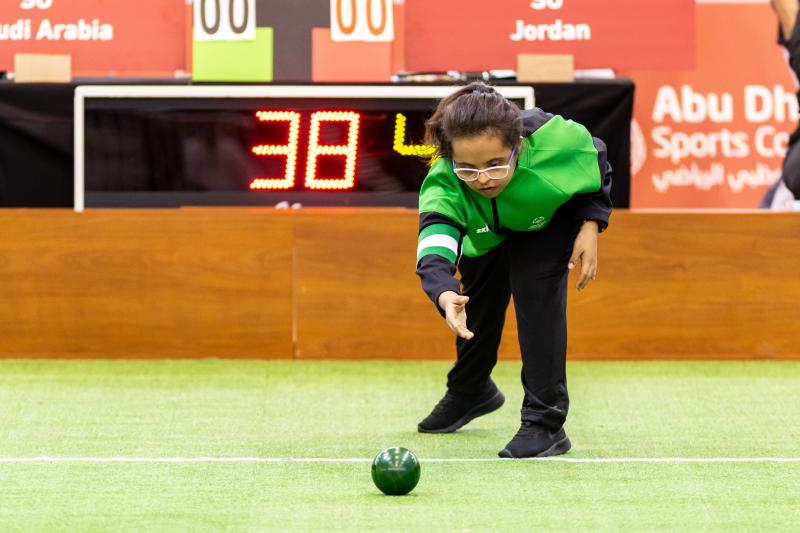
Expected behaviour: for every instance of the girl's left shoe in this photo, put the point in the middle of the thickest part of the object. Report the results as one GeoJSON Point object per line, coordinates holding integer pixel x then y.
{"type": "Point", "coordinates": [536, 441]}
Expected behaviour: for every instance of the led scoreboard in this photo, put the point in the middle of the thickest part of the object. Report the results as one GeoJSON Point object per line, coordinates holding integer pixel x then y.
{"type": "Point", "coordinates": [173, 145]}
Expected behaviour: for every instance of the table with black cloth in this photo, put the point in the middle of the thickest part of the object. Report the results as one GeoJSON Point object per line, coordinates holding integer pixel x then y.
{"type": "Point", "coordinates": [36, 135]}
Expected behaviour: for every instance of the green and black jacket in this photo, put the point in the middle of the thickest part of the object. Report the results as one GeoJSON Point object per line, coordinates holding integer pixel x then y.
{"type": "Point", "coordinates": [559, 161]}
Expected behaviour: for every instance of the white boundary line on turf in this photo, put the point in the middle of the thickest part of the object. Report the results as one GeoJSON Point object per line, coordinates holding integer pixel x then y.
{"type": "Point", "coordinates": [47, 459]}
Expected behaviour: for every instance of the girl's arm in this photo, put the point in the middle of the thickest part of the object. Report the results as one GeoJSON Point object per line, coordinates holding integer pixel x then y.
{"type": "Point", "coordinates": [787, 15]}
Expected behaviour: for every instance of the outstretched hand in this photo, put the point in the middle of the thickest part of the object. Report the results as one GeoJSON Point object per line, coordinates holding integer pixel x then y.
{"type": "Point", "coordinates": [454, 306]}
{"type": "Point", "coordinates": [585, 249]}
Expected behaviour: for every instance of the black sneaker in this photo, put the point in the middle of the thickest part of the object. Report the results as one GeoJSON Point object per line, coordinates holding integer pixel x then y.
{"type": "Point", "coordinates": [536, 441]}
{"type": "Point", "coordinates": [453, 411]}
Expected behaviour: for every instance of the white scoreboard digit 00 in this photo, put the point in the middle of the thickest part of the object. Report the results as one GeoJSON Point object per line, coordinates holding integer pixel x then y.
{"type": "Point", "coordinates": [224, 20]}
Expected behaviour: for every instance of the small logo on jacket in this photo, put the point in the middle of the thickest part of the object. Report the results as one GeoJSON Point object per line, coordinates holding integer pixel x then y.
{"type": "Point", "coordinates": [484, 229]}
{"type": "Point", "coordinates": [538, 223]}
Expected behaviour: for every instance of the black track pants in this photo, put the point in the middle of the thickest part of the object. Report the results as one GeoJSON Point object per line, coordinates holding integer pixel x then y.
{"type": "Point", "coordinates": [533, 267]}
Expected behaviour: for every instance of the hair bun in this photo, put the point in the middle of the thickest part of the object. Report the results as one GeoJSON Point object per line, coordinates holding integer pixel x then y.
{"type": "Point", "coordinates": [483, 89]}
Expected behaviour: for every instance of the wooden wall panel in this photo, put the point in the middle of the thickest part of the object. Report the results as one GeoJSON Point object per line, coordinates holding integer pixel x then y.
{"type": "Point", "coordinates": [670, 285]}
{"type": "Point", "coordinates": [692, 285]}
{"type": "Point", "coordinates": [340, 283]}
{"type": "Point", "coordinates": [145, 283]}
{"type": "Point", "coordinates": [356, 291]}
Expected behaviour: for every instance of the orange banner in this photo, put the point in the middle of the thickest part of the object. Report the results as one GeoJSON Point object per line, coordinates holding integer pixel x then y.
{"type": "Point", "coordinates": [715, 136]}
{"type": "Point", "coordinates": [104, 37]}
{"type": "Point", "coordinates": [479, 35]}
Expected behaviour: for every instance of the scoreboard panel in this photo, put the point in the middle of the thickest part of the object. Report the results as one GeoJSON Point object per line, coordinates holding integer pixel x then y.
{"type": "Point", "coordinates": [253, 145]}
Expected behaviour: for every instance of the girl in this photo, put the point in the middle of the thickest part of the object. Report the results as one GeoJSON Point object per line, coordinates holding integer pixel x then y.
{"type": "Point", "coordinates": [513, 200]}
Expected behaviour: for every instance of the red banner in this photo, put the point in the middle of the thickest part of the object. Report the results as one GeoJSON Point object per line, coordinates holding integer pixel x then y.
{"type": "Point", "coordinates": [479, 35]}
{"type": "Point", "coordinates": [715, 136]}
{"type": "Point", "coordinates": [104, 37]}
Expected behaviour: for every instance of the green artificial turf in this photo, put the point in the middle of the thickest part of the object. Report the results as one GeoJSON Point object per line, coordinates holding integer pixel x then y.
{"type": "Point", "coordinates": [211, 408]}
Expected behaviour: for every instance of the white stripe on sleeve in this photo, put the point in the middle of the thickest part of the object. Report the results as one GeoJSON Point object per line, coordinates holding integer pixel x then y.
{"type": "Point", "coordinates": [445, 241]}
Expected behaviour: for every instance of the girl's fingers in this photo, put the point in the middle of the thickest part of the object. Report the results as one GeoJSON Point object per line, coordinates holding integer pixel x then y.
{"type": "Point", "coordinates": [588, 273]}
{"type": "Point", "coordinates": [464, 333]}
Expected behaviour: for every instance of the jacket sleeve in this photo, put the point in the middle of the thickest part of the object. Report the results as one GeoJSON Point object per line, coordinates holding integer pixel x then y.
{"type": "Point", "coordinates": [438, 251]}
{"type": "Point", "coordinates": [597, 205]}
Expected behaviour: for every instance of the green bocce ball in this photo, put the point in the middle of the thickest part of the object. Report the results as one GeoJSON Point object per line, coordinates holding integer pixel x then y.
{"type": "Point", "coordinates": [395, 471]}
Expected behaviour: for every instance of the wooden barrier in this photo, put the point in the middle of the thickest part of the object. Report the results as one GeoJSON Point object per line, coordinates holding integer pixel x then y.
{"type": "Point", "coordinates": [340, 283]}
{"type": "Point", "coordinates": [357, 293]}
{"type": "Point", "coordinates": [145, 283]}
{"type": "Point", "coordinates": [692, 285]}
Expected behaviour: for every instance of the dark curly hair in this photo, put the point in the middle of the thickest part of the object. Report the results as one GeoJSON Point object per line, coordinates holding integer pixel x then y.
{"type": "Point", "coordinates": [471, 110]}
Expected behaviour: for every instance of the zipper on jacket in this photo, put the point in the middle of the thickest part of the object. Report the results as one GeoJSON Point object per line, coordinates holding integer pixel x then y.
{"type": "Point", "coordinates": [495, 215]}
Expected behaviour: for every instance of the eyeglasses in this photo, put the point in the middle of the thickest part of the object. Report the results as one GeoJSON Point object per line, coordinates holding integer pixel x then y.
{"type": "Point", "coordinates": [493, 173]}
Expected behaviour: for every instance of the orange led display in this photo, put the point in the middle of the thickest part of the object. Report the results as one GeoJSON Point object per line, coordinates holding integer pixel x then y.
{"type": "Point", "coordinates": [316, 150]}
{"type": "Point", "coordinates": [287, 150]}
